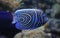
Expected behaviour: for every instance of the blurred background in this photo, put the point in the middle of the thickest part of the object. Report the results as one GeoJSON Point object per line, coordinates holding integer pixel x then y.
{"type": "Point", "coordinates": [45, 5]}
{"type": "Point", "coordinates": [49, 7]}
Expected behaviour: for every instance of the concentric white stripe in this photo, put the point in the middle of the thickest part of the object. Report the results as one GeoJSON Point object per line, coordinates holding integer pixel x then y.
{"type": "Point", "coordinates": [26, 19]}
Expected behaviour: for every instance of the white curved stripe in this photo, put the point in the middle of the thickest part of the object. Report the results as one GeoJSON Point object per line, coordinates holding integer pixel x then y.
{"type": "Point", "coordinates": [29, 20]}
{"type": "Point", "coordinates": [28, 10]}
{"type": "Point", "coordinates": [21, 18]}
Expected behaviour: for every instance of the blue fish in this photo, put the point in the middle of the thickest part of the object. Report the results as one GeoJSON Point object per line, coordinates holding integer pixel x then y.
{"type": "Point", "coordinates": [29, 19]}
